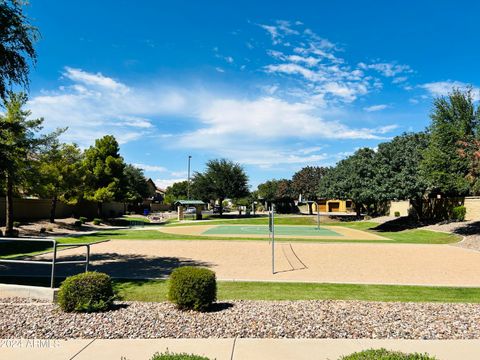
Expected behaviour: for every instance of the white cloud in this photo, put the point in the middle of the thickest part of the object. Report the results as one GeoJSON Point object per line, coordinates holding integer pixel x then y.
{"type": "Point", "coordinates": [95, 105]}
{"type": "Point", "coordinates": [375, 108]}
{"type": "Point", "coordinates": [164, 183]}
{"type": "Point", "coordinates": [151, 168]}
{"type": "Point", "coordinates": [319, 72]}
{"type": "Point", "coordinates": [443, 88]}
{"type": "Point", "coordinates": [387, 69]}
{"type": "Point", "coordinates": [97, 80]}
{"type": "Point", "coordinates": [227, 120]}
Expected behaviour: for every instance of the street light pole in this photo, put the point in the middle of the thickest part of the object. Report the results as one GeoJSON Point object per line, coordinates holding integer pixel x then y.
{"type": "Point", "coordinates": [188, 179]}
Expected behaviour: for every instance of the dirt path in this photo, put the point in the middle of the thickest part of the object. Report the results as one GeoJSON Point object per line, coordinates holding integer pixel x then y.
{"type": "Point", "coordinates": [312, 262]}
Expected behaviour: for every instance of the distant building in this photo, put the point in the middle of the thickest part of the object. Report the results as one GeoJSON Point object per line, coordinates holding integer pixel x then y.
{"type": "Point", "coordinates": [156, 194]}
{"type": "Point", "coordinates": [334, 205]}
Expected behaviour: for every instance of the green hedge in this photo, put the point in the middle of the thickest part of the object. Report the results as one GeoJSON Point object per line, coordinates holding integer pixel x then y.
{"type": "Point", "coordinates": [192, 288]}
{"type": "Point", "coordinates": [177, 356]}
{"type": "Point", "coordinates": [459, 212]}
{"type": "Point", "coordinates": [383, 354]}
{"type": "Point", "coordinates": [87, 292]}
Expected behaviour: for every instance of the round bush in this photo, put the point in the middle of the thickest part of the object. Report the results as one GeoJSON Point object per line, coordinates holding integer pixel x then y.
{"type": "Point", "coordinates": [83, 219]}
{"type": "Point", "coordinates": [192, 288]}
{"type": "Point", "coordinates": [177, 356]}
{"type": "Point", "coordinates": [384, 354]}
{"type": "Point", "coordinates": [459, 212]}
{"type": "Point", "coordinates": [77, 223]}
{"type": "Point", "coordinates": [88, 292]}
{"type": "Point", "coordinates": [97, 221]}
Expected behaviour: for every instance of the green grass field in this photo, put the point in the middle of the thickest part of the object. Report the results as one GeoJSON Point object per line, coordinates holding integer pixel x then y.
{"type": "Point", "coordinates": [156, 290]}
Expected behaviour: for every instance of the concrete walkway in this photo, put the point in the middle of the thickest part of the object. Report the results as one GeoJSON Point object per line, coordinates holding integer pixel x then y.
{"type": "Point", "coordinates": [228, 349]}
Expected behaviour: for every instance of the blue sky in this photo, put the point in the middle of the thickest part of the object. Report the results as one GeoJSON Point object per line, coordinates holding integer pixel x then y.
{"type": "Point", "coordinates": [273, 85]}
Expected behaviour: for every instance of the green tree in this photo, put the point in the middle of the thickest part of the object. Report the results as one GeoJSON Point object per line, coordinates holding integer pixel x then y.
{"type": "Point", "coordinates": [278, 192]}
{"type": "Point", "coordinates": [17, 37]}
{"type": "Point", "coordinates": [176, 191]}
{"type": "Point", "coordinates": [398, 169]}
{"type": "Point", "coordinates": [221, 180]}
{"type": "Point", "coordinates": [305, 183]}
{"type": "Point", "coordinates": [104, 177]}
{"type": "Point", "coordinates": [455, 119]}
{"type": "Point", "coordinates": [60, 175]}
{"type": "Point", "coordinates": [135, 185]}
{"type": "Point", "coordinates": [19, 144]}
{"type": "Point", "coordinates": [267, 191]}
{"type": "Point", "coordinates": [353, 178]}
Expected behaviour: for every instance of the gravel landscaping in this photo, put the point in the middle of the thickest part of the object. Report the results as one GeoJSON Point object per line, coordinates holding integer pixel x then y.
{"type": "Point", "coordinates": [254, 319]}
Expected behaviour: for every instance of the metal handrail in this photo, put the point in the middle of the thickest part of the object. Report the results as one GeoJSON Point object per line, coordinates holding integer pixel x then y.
{"type": "Point", "coordinates": [54, 261]}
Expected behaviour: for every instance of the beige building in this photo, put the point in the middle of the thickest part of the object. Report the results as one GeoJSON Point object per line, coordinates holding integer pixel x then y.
{"type": "Point", "coordinates": [334, 205]}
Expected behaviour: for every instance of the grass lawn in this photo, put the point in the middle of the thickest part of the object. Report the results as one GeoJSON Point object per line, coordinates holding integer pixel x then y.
{"type": "Point", "coordinates": [156, 290]}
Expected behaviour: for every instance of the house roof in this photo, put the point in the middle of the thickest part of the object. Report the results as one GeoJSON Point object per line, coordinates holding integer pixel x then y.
{"type": "Point", "coordinates": [189, 202]}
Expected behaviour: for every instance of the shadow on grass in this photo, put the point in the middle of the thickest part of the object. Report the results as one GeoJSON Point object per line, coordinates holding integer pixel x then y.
{"type": "Point", "coordinates": [398, 224]}
{"type": "Point", "coordinates": [123, 266]}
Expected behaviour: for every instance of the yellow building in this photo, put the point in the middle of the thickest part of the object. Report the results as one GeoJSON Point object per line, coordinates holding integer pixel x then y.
{"type": "Point", "coordinates": [334, 205]}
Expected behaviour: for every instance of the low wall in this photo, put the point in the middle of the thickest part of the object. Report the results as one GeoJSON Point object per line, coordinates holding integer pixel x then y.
{"type": "Point", "coordinates": [35, 209]}
{"type": "Point", "coordinates": [401, 206]}
{"type": "Point", "coordinates": [472, 204]}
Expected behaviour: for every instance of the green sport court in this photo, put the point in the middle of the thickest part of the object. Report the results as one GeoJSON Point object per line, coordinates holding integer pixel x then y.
{"type": "Point", "coordinates": [281, 231]}
{"type": "Point", "coordinates": [263, 230]}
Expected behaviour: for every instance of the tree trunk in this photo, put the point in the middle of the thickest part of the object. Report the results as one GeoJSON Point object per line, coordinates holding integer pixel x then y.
{"type": "Point", "coordinates": [221, 207]}
{"type": "Point", "coordinates": [9, 206]}
{"type": "Point", "coordinates": [99, 209]}
{"type": "Point", "coordinates": [310, 208]}
{"type": "Point", "coordinates": [53, 208]}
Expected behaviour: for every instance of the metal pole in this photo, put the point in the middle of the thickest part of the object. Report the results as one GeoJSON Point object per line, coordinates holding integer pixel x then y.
{"type": "Point", "coordinates": [188, 179]}
{"type": "Point", "coordinates": [318, 216]}
{"type": "Point", "coordinates": [273, 239]}
{"type": "Point", "coordinates": [52, 280]}
{"type": "Point", "coordinates": [88, 258]}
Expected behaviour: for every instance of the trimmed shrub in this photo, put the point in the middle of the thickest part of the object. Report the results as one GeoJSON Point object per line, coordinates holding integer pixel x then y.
{"type": "Point", "coordinates": [384, 354]}
{"type": "Point", "coordinates": [192, 288]}
{"type": "Point", "coordinates": [83, 219]}
{"type": "Point", "coordinates": [459, 212]}
{"type": "Point", "coordinates": [86, 292]}
{"type": "Point", "coordinates": [43, 230]}
{"type": "Point", "coordinates": [50, 229]}
{"type": "Point", "coordinates": [16, 224]}
{"type": "Point", "coordinates": [177, 356]}
{"type": "Point", "coordinates": [97, 221]}
{"type": "Point", "coordinates": [397, 213]}
{"type": "Point", "coordinates": [78, 223]}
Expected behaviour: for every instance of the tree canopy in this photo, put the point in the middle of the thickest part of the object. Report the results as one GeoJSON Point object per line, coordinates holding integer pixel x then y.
{"type": "Point", "coordinates": [353, 178]}
{"type": "Point", "coordinates": [104, 176]}
{"type": "Point", "coordinates": [176, 191]}
{"type": "Point", "coordinates": [455, 120]}
{"type": "Point", "coordinates": [19, 145]}
{"type": "Point", "coordinates": [305, 183]}
{"type": "Point", "coordinates": [135, 187]}
{"type": "Point", "coordinates": [222, 179]}
{"type": "Point", "coordinates": [60, 175]}
{"type": "Point", "coordinates": [17, 37]}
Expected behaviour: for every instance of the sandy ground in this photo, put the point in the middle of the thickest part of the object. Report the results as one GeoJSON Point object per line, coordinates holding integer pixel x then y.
{"type": "Point", "coordinates": [346, 233]}
{"type": "Point", "coordinates": [312, 262]}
